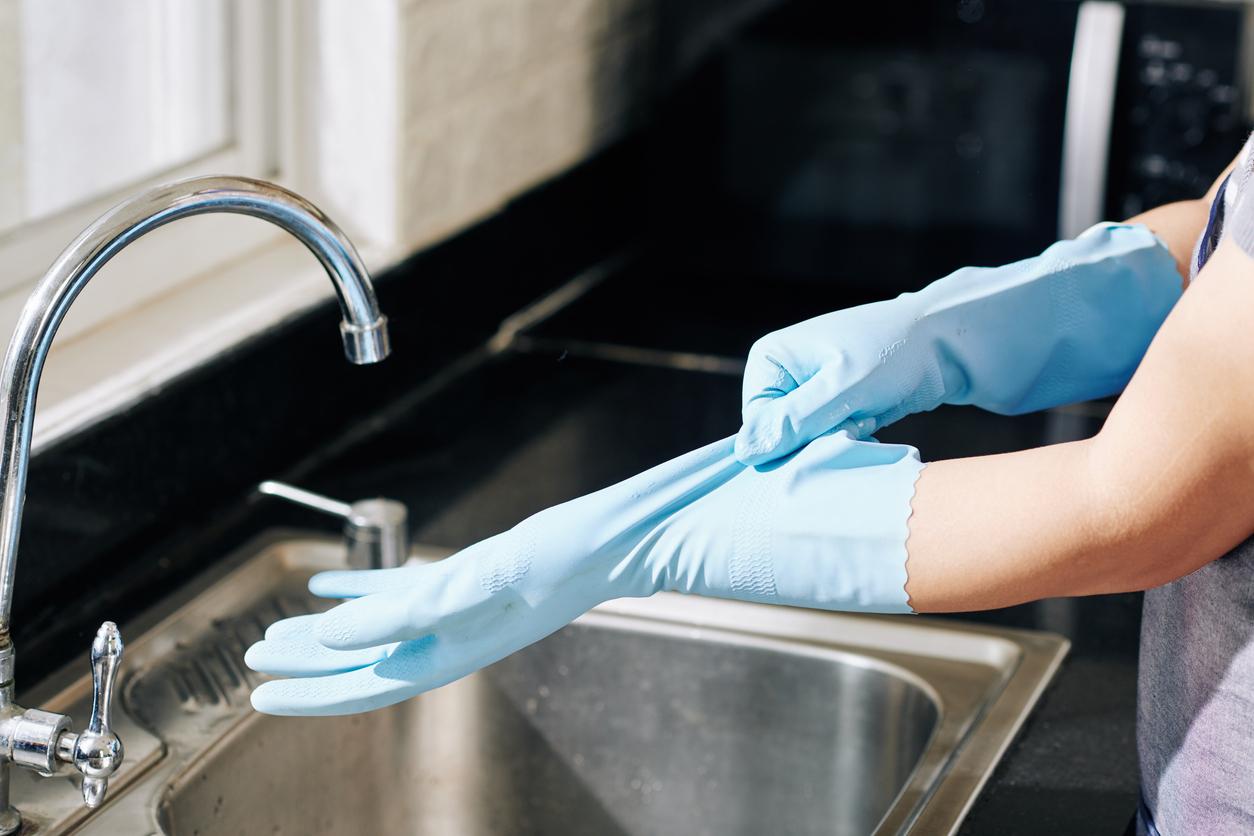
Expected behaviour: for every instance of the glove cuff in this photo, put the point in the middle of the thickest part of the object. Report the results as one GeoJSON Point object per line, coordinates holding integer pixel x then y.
{"type": "Point", "coordinates": [1070, 324]}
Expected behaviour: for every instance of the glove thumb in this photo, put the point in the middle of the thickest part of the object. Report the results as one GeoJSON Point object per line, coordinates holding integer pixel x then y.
{"type": "Point", "coordinates": [775, 426]}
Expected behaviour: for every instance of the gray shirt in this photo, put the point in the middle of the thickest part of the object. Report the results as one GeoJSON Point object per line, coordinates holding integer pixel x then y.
{"type": "Point", "coordinates": [1195, 701]}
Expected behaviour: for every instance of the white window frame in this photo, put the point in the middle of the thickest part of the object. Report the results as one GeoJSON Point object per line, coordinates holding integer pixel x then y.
{"type": "Point", "coordinates": [320, 140]}
{"type": "Point", "coordinates": [28, 249]}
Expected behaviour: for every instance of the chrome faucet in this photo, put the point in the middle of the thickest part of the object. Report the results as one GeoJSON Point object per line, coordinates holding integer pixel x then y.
{"type": "Point", "coordinates": [42, 740]}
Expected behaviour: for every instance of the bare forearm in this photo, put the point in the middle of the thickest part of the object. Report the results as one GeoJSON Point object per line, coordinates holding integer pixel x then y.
{"type": "Point", "coordinates": [1001, 530]}
{"type": "Point", "coordinates": [1167, 486]}
{"type": "Point", "coordinates": [995, 531]}
{"type": "Point", "coordinates": [1179, 224]}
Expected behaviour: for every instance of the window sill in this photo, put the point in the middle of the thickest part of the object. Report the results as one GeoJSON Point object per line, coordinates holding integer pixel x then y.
{"type": "Point", "coordinates": [103, 371]}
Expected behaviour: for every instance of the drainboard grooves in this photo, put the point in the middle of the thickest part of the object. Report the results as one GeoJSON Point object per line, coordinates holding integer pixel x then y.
{"type": "Point", "coordinates": [231, 679]}
{"type": "Point", "coordinates": [229, 653]}
{"type": "Point", "coordinates": [182, 688]}
{"type": "Point", "coordinates": [289, 605]}
{"type": "Point", "coordinates": [210, 691]}
{"type": "Point", "coordinates": [208, 675]}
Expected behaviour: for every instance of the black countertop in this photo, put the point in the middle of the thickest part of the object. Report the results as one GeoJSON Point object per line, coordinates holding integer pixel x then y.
{"type": "Point", "coordinates": [518, 432]}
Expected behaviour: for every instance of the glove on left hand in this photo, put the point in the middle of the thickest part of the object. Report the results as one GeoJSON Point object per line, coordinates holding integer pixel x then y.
{"type": "Point", "coordinates": [824, 528]}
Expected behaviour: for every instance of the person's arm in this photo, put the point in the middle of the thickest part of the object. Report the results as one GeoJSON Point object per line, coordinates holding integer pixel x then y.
{"type": "Point", "coordinates": [1164, 488]}
{"type": "Point", "coordinates": [1179, 224]}
{"type": "Point", "coordinates": [1068, 325]}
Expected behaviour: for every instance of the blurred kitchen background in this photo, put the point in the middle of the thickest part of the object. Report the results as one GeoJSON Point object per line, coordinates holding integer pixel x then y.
{"type": "Point", "coordinates": [667, 179]}
{"type": "Point", "coordinates": [796, 150]}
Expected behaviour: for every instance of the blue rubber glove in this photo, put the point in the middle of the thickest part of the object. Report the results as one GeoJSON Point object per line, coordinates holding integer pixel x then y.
{"type": "Point", "coordinates": [825, 528]}
{"type": "Point", "coordinates": [1068, 325]}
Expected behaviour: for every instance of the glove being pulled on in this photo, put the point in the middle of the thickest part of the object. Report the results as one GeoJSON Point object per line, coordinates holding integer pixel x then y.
{"type": "Point", "coordinates": [824, 528]}
{"type": "Point", "coordinates": [1068, 325]}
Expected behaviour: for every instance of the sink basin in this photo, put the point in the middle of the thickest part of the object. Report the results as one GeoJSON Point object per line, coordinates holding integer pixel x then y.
{"type": "Point", "coordinates": [608, 727]}
{"type": "Point", "coordinates": [665, 715]}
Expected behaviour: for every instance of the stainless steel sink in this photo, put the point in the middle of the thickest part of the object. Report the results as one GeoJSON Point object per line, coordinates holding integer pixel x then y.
{"type": "Point", "coordinates": [666, 715]}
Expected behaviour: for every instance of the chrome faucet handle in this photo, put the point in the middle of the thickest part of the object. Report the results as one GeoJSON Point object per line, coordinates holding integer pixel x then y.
{"type": "Point", "coordinates": [376, 531]}
{"type": "Point", "coordinates": [96, 751]}
{"type": "Point", "coordinates": [42, 740]}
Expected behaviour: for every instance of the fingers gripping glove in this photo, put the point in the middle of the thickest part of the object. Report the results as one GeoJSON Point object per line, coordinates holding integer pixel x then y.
{"type": "Point", "coordinates": [1068, 325]}
{"type": "Point", "coordinates": [824, 528]}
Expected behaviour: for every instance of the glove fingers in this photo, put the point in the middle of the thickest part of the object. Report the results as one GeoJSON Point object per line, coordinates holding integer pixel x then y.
{"type": "Point", "coordinates": [775, 427]}
{"type": "Point", "coordinates": [408, 669]}
{"type": "Point", "coordinates": [450, 591]}
{"type": "Point", "coordinates": [765, 378]}
{"type": "Point", "coordinates": [404, 673]}
{"type": "Point", "coordinates": [298, 625]}
{"type": "Point", "coordinates": [291, 648]}
{"type": "Point", "coordinates": [356, 583]}
{"type": "Point", "coordinates": [364, 622]}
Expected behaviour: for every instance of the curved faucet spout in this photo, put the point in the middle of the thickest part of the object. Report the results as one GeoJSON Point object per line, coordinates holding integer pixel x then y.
{"type": "Point", "coordinates": [364, 328]}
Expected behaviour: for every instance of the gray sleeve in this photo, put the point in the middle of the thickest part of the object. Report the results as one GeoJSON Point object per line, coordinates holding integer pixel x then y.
{"type": "Point", "coordinates": [1239, 201]}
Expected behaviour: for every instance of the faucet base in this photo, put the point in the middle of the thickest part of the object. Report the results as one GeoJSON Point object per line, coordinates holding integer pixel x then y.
{"type": "Point", "coordinates": [10, 821]}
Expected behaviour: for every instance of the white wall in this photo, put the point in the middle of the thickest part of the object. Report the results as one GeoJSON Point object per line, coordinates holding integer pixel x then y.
{"type": "Point", "coordinates": [11, 198]}
{"type": "Point", "coordinates": [427, 115]}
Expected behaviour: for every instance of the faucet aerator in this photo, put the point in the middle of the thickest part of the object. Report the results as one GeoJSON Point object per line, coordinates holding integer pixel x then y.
{"type": "Point", "coordinates": [365, 345]}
